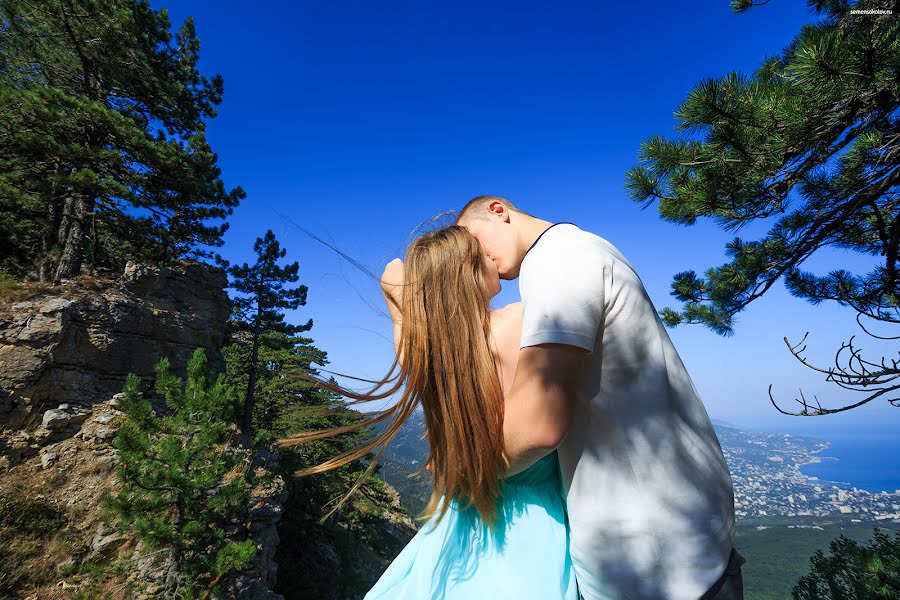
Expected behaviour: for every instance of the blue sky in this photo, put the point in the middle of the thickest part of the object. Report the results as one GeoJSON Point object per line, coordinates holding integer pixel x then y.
{"type": "Point", "coordinates": [360, 120]}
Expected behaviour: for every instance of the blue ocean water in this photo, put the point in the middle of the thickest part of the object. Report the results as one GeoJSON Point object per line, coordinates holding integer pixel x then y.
{"type": "Point", "coordinates": [863, 449]}
{"type": "Point", "coordinates": [866, 460]}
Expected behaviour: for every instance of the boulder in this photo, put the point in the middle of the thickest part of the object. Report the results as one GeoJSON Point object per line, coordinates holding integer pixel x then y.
{"type": "Point", "coordinates": [62, 417]}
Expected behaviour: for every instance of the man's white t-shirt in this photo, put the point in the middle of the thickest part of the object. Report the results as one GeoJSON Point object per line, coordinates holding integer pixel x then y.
{"type": "Point", "coordinates": [650, 499]}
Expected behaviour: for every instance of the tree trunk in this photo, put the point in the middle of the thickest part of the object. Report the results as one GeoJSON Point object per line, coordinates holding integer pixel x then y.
{"type": "Point", "coordinates": [247, 425]}
{"type": "Point", "coordinates": [92, 258]}
{"type": "Point", "coordinates": [46, 243]}
{"type": "Point", "coordinates": [71, 237]}
{"type": "Point", "coordinates": [65, 221]}
{"type": "Point", "coordinates": [172, 579]}
{"type": "Point", "coordinates": [51, 229]}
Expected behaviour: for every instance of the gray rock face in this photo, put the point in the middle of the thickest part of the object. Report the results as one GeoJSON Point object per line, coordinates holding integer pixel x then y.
{"type": "Point", "coordinates": [48, 459]}
{"type": "Point", "coordinates": [105, 544]}
{"type": "Point", "coordinates": [77, 346]}
{"type": "Point", "coordinates": [6, 402]}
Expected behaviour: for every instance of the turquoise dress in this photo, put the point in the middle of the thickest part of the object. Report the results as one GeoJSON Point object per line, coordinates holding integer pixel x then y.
{"type": "Point", "coordinates": [460, 558]}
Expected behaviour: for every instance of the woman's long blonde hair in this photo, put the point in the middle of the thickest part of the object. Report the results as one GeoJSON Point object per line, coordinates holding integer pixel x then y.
{"type": "Point", "coordinates": [449, 368]}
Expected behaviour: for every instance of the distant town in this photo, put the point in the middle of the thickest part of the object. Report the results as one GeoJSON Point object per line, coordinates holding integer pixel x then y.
{"type": "Point", "coordinates": [765, 469]}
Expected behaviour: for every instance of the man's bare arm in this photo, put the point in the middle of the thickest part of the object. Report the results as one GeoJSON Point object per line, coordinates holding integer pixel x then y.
{"type": "Point", "coordinates": [538, 411]}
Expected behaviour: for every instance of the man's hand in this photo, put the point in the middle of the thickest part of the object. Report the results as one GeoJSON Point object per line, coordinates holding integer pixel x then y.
{"type": "Point", "coordinates": [538, 410]}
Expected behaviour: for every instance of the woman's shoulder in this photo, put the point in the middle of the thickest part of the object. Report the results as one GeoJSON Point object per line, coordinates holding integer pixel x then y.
{"type": "Point", "coordinates": [507, 319]}
{"type": "Point", "coordinates": [510, 311]}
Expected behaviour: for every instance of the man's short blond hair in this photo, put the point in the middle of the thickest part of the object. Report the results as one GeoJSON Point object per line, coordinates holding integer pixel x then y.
{"type": "Point", "coordinates": [474, 208]}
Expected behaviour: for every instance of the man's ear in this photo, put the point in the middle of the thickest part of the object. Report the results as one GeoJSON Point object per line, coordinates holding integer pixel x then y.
{"type": "Point", "coordinates": [499, 209]}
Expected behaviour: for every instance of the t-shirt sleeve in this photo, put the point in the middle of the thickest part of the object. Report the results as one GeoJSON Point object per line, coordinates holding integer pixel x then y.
{"type": "Point", "coordinates": [562, 295]}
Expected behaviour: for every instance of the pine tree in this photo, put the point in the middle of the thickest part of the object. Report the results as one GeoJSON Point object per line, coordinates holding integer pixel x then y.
{"type": "Point", "coordinates": [275, 391]}
{"type": "Point", "coordinates": [103, 155]}
{"type": "Point", "coordinates": [287, 404]}
{"type": "Point", "coordinates": [853, 571]}
{"type": "Point", "coordinates": [258, 311]}
{"type": "Point", "coordinates": [811, 140]}
{"type": "Point", "coordinates": [183, 479]}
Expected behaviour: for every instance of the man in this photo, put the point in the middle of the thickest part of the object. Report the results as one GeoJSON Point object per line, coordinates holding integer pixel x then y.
{"type": "Point", "coordinates": [650, 499]}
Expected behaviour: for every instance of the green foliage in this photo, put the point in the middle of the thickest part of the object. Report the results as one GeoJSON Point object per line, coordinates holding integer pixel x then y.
{"type": "Point", "coordinates": [278, 356]}
{"type": "Point", "coordinates": [853, 571]}
{"type": "Point", "coordinates": [8, 282]}
{"type": "Point", "coordinates": [778, 549]}
{"type": "Point", "coordinates": [235, 556]}
{"type": "Point", "coordinates": [26, 527]}
{"type": "Point", "coordinates": [265, 346]}
{"type": "Point", "coordinates": [814, 130]}
{"type": "Point", "coordinates": [261, 292]}
{"type": "Point", "coordinates": [183, 480]}
{"type": "Point", "coordinates": [268, 361]}
{"type": "Point", "coordinates": [341, 557]}
{"type": "Point", "coordinates": [414, 490]}
{"type": "Point", "coordinates": [103, 152]}
{"type": "Point", "coordinates": [347, 554]}
{"type": "Point", "coordinates": [405, 455]}
{"type": "Point", "coordinates": [29, 515]}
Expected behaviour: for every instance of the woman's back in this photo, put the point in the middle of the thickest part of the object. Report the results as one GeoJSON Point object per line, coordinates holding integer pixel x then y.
{"type": "Point", "coordinates": [525, 556]}
{"type": "Point", "coordinates": [506, 330]}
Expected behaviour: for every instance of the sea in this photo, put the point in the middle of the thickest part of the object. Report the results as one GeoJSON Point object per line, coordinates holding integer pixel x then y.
{"type": "Point", "coordinates": [868, 461]}
{"type": "Point", "coordinates": [865, 457]}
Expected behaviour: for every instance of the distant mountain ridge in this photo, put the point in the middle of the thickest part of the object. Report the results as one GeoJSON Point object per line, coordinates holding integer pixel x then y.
{"type": "Point", "coordinates": [407, 453]}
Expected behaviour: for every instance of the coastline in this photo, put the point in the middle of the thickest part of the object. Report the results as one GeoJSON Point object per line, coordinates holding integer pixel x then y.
{"type": "Point", "coordinates": [817, 460]}
{"type": "Point", "coordinates": [851, 457]}
{"type": "Point", "coordinates": [813, 460]}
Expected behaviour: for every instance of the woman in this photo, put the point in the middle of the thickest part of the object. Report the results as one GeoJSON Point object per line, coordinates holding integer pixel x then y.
{"type": "Point", "coordinates": [485, 536]}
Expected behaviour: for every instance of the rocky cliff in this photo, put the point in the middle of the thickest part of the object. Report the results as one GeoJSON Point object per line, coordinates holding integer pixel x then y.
{"type": "Point", "coordinates": [74, 344]}
{"type": "Point", "coordinates": [64, 355]}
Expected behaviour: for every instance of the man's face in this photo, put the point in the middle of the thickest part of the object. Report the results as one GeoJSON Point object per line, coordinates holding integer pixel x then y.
{"type": "Point", "coordinates": [498, 240]}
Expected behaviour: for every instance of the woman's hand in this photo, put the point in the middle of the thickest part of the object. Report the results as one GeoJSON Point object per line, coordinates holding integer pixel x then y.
{"type": "Point", "coordinates": [392, 288]}
{"type": "Point", "coordinates": [393, 274]}
{"type": "Point", "coordinates": [392, 285]}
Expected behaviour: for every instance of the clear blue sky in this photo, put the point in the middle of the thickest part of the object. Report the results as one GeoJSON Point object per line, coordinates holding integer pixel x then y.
{"type": "Point", "coordinates": [362, 119]}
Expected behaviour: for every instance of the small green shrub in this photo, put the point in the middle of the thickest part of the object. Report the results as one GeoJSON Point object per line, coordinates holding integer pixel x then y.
{"type": "Point", "coordinates": [29, 515]}
{"type": "Point", "coordinates": [182, 481]}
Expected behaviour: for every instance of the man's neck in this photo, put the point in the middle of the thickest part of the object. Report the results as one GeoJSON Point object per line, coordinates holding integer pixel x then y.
{"type": "Point", "coordinates": [530, 230]}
